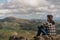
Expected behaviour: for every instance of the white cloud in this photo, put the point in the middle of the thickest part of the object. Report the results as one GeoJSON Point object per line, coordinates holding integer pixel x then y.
{"type": "Point", "coordinates": [33, 3]}
{"type": "Point", "coordinates": [57, 16]}
{"type": "Point", "coordinates": [4, 11]}
{"type": "Point", "coordinates": [34, 8]}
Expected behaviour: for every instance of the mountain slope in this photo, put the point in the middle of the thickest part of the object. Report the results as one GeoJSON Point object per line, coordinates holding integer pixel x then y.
{"type": "Point", "coordinates": [14, 19]}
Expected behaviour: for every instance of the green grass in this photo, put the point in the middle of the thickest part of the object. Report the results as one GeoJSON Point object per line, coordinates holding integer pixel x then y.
{"type": "Point", "coordinates": [7, 28]}
{"type": "Point", "coordinates": [5, 34]}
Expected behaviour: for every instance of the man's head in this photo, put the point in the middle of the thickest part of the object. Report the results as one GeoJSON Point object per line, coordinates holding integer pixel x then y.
{"type": "Point", "coordinates": [49, 17]}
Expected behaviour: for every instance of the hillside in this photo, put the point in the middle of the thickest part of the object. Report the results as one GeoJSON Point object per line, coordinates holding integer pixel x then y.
{"type": "Point", "coordinates": [25, 23]}
{"type": "Point", "coordinates": [14, 19]}
{"type": "Point", "coordinates": [23, 27]}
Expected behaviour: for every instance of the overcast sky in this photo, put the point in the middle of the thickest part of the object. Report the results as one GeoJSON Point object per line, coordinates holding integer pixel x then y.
{"type": "Point", "coordinates": [30, 9]}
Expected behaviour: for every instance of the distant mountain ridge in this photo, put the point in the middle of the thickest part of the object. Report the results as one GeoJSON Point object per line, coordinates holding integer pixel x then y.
{"type": "Point", "coordinates": [14, 19]}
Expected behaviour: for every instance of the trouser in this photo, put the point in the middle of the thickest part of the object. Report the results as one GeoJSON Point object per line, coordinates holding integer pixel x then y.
{"type": "Point", "coordinates": [41, 30]}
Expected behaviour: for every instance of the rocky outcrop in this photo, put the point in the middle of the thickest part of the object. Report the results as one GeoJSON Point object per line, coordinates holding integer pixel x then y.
{"type": "Point", "coordinates": [38, 38]}
{"type": "Point", "coordinates": [17, 38]}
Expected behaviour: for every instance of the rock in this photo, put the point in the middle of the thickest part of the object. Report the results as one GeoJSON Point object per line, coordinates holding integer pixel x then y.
{"type": "Point", "coordinates": [17, 38]}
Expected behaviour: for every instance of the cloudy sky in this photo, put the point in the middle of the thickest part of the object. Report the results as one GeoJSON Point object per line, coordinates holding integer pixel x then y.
{"type": "Point", "coordinates": [30, 9]}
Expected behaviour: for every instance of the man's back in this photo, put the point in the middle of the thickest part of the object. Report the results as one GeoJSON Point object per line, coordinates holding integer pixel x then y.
{"type": "Point", "coordinates": [51, 28]}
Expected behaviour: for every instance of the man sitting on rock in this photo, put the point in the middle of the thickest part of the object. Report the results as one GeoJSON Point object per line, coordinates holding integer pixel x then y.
{"type": "Point", "coordinates": [48, 28]}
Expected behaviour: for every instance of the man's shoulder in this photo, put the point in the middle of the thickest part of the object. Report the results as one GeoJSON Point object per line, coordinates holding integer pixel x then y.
{"type": "Point", "coordinates": [53, 22]}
